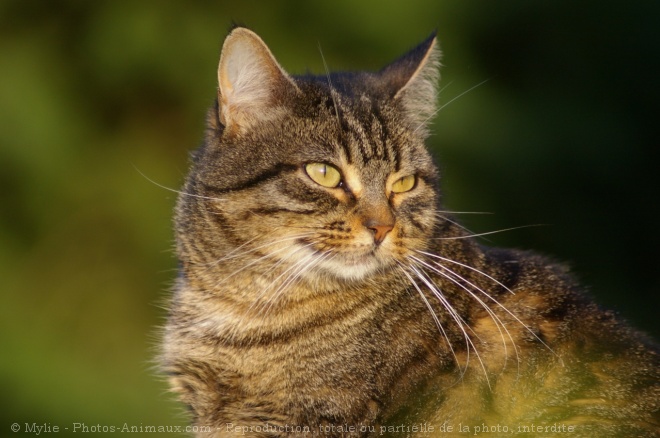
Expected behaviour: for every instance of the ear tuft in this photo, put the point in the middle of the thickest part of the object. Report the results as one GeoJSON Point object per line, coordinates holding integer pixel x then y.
{"type": "Point", "coordinates": [249, 81]}
{"type": "Point", "coordinates": [413, 80]}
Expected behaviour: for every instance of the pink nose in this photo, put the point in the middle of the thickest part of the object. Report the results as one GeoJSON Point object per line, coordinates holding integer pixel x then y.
{"type": "Point", "coordinates": [380, 230]}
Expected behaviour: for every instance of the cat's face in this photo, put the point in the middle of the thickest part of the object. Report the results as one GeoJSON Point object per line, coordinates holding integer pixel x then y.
{"type": "Point", "coordinates": [307, 178]}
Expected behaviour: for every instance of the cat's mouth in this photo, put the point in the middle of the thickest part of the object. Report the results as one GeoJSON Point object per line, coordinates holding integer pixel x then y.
{"type": "Point", "coordinates": [347, 262]}
{"type": "Point", "coordinates": [354, 265]}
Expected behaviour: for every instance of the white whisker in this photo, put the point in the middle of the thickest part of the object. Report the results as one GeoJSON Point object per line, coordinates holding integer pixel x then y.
{"type": "Point", "coordinates": [258, 260]}
{"type": "Point", "coordinates": [460, 322]}
{"type": "Point", "coordinates": [498, 322]}
{"type": "Point", "coordinates": [489, 296]}
{"type": "Point", "coordinates": [332, 91]}
{"type": "Point", "coordinates": [450, 101]}
{"type": "Point", "coordinates": [175, 191]}
{"type": "Point", "coordinates": [434, 316]}
{"type": "Point", "coordinates": [470, 268]}
{"type": "Point", "coordinates": [438, 294]}
{"type": "Point", "coordinates": [484, 234]}
{"type": "Point", "coordinates": [456, 317]}
{"type": "Point", "coordinates": [263, 292]}
{"type": "Point", "coordinates": [445, 218]}
{"type": "Point", "coordinates": [461, 212]}
{"type": "Point", "coordinates": [294, 276]}
{"type": "Point", "coordinates": [229, 255]}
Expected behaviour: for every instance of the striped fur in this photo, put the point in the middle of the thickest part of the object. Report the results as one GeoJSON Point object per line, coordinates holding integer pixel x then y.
{"type": "Point", "coordinates": [290, 318]}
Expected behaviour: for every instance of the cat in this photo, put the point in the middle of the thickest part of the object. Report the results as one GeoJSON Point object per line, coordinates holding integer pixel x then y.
{"type": "Point", "coordinates": [323, 290]}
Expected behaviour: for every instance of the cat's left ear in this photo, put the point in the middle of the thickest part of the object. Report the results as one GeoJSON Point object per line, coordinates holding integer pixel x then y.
{"type": "Point", "coordinates": [413, 80]}
{"type": "Point", "coordinates": [251, 84]}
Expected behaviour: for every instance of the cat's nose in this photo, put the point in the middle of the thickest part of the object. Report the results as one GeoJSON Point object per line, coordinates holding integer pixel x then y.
{"type": "Point", "coordinates": [379, 229]}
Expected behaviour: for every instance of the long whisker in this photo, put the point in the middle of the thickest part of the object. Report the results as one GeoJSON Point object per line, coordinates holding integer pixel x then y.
{"type": "Point", "coordinates": [450, 101]}
{"type": "Point", "coordinates": [332, 90]}
{"type": "Point", "coordinates": [459, 321]}
{"type": "Point", "coordinates": [210, 198]}
{"type": "Point", "coordinates": [493, 299]}
{"type": "Point", "coordinates": [462, 212]}
{"type": "Point", "coordinates": [445, 218]}
{"type": "Point", "coordinates": [291, 273]}
{"type": "Point", "coordinates": [293, 276]}
{"type": "Point", "coordinates": [470, 268]}
{"type": "Point", "coordinates": [236, 251]}
{"type": "Point", "coordinates": [229, 255]}
{"type": "Point", "coordinates": [445, 87]}
{"type": "Point", "coordinates": [438, 294]}
{"type": "Point", "coordinates": [498, 322]}
{"type": "Point", "coordinates": [434, 316]}
{"type": "Point", "coordinates": [282, 274]}
{"type": "Point", "coordinates": [486, 233]}
{"type": "Point", "coordinates": [255, 261]}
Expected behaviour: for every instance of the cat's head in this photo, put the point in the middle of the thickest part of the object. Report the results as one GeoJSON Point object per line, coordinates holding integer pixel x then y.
{"type": "Point", "coordinates": [308, 174]}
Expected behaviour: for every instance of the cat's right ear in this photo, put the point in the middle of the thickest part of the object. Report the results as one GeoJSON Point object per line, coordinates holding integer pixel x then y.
{"type": "Point", "coordinates": [413, 80]}
{"type": "Point", "coordinates": [250, 82]}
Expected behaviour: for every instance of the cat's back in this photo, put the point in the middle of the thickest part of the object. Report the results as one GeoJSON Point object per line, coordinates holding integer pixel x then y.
{"type": "Point", "coordinates": [551, 360]}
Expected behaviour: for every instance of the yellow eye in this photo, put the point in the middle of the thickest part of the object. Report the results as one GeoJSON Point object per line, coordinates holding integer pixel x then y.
{"type": "Point", "coordinates": [404, 184]}
{"type": "Point", "coordinates": [323, 174]}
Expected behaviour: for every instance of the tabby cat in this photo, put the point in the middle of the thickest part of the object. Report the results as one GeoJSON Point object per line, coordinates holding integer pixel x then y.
{"type": "Point", "coordinates": [324, 291]}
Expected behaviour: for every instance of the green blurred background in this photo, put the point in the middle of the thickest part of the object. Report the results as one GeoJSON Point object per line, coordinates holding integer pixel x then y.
{"type": "Point", "coordinates": [94, 93]}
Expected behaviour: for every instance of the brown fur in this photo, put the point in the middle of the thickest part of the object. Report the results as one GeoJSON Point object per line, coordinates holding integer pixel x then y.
{"type": "Point", "coordinates": [292, 318]}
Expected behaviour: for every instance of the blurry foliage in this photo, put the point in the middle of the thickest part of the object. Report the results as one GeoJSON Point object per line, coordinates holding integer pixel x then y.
{"type": "Point", "coordinates": [95, 94]}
